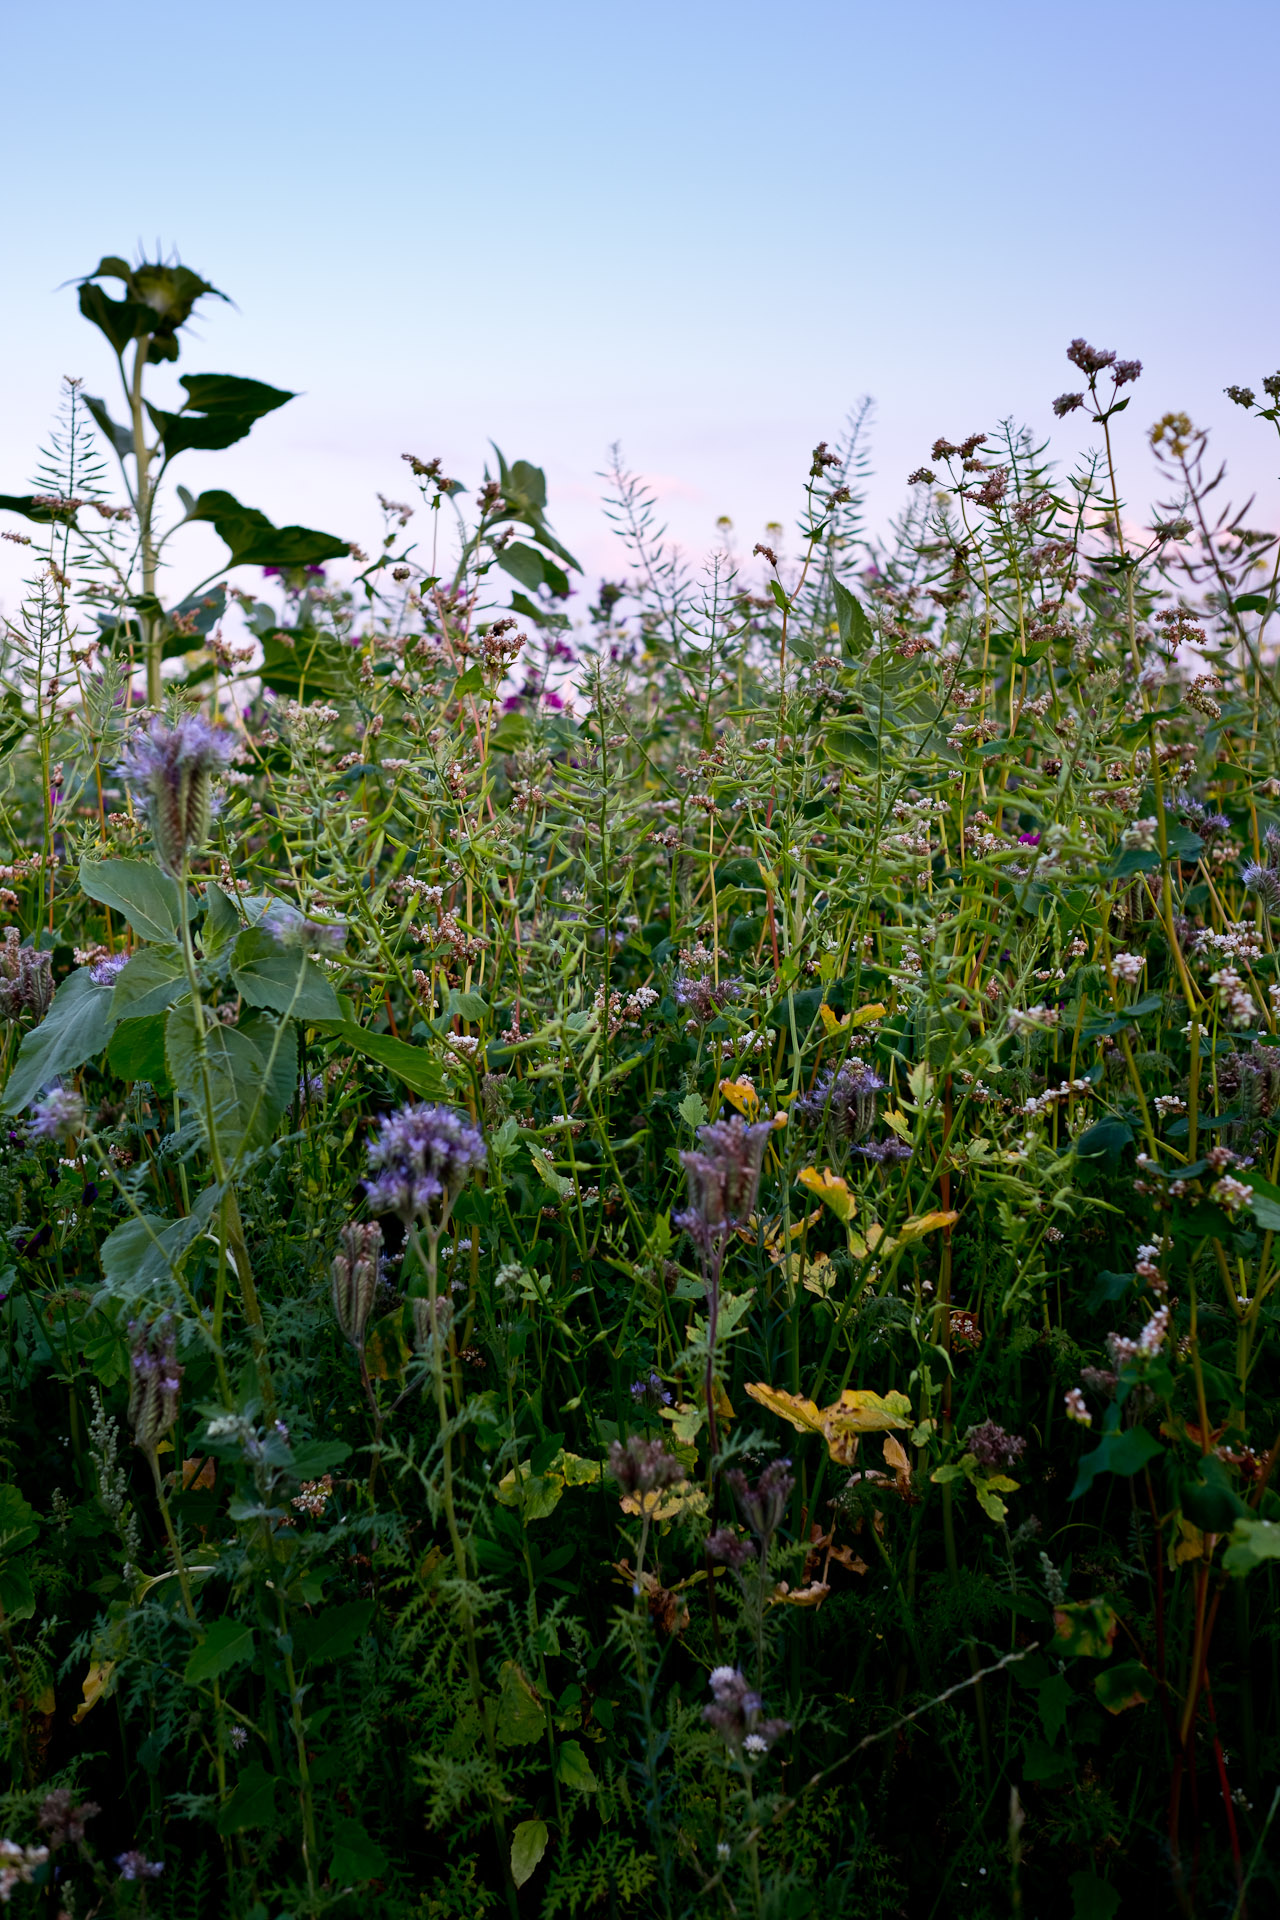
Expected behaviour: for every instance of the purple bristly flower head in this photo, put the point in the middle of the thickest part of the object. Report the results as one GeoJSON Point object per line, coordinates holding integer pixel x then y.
{"type": "Point", "coordinates": [991, 1446]}
{"type": "Point", "coordinates": [729, 1549]}
{"type": "Point", "coordinates": [845, 1099]}
{"type": "Point", "coordinates": [134, 1865]}
{"type": "Point", "coordinates": [1265, 882]}
{"type": "Point", "coordinates": [763, 1505]}
{"type": "Point", "coordinates": [884, 1150]}
{"type": "Point", "coordinates": [105, 972]}
{"type": "Point", "coordinates": [154, 1380]}
{"type": "Point", "coordinates": [643, 1466]}
{"type": "Point", "coordinates": [26, 978]}
{"type": "Point", "coordinates": [723, 1172]}
{"type": "Point", "coordinates": [59, 1116]}
{"type": "Point", "coordinates": [651, 1392]}
{"type": "Point", "coordinates": [422, 1157]}
{"type": "Point", "coordinates": [355, 1274]}
{"type": "Point", "coordinates": [292, 930]}
{"type": "Point", "coordinates": [171, 769]}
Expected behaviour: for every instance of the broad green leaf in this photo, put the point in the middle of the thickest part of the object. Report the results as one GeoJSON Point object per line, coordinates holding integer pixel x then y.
{"type": "Point", "coordinates": [1209, 1500]}
{"type": "Point", "coordinates": [227, 1643]}
{"type": "Point", "coordinates": [136, 1051]}
{"type": "Point", "coordinates": [151, 982]}
{"type": "Point", "coordinates": [118, 437]}
{"type": "Point", "coordinates": [252, 1804]}
{"type": "Point", "coordinates": [355, 1856]}
{"type": "Point", "coordinates": [1122, 1453]}
{"type": "Point", "coordinates": [16, 1595]}
{"type": "Point", "coordinates": [248, 1094]}
{"type": "Point", "coordinates": [147, 898]}
{"type": "Point", "coordinates": [1085, 1628]}
{"type": "Point", "coordinates": [1092, 1898]}
{"type": "Point", "coordinates": [528, 1844]}
{"type": "Point", "coordinates": [855, 629]}
{"type": "Point", "coordinates": [573, 1769]}
{"type": "Point", "coordinates": [1252, 1543]}
{"type": "Point", "coordinates": [254, 541]}
{"type": "Point", "coordinates": [76, 1028]}
{"type": "Point", "coordinates": [520, 1716]}
{"type": "Point", "coordinates": [467, 1006]}
{"type": "Point", "coordinates": [693, 1110]}
{"type": "Point", "coordinates": [335, 1632]}
{"type": "Point", "coordinates": [148, 1248]}
{"type": "Point", "coordinates": [285, 981]}
{"type": "Point", "coordinates": [1053, 1697]}
{"type": "Point", "coordinates": [221, 409]}
{"type": "Point", "coordinates": [19, 1521]}
{"type": "Point", "coordinates": [1127, 1684]}
{"type": "Point", "coordinates": [221, 919]}
{"type": "Point", "coordinates": [419, 1070]}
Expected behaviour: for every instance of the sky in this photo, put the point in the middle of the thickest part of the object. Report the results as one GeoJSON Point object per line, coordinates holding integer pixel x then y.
{"type": "Point", "coordinates": [703, 230]}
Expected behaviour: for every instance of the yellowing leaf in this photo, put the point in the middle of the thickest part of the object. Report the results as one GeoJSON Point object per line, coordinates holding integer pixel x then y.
{"type": "Point", "coordinates": [666, 1503]}
{"type": "Point", "coordinates": [1190, 1546]}
{"type": "Point", "coordinates": [792, 1407]}
{"type": "Point", "coordinates": [921, 1223]}
{"type": "Point", "coordinates": [899, 1123]}
{"type": "Point", "coordinates": [830, 1188]}
{"type": "Point", "coordinates": [895, 1455]}
{"type": "Point", "coordinates": [865, 1015]}
{"type": "Point", "coordinates": [811, 1596]}
{"type": "Point", "coordinates": [775, 1238]}
{"type": "Point", "coordinates": [819, 1274]}
{"type": "Point", "coordinates": [742, 1095]}
{"type": "Point", "coordinates": [830, 1021]}
{"type": "Point", "coordinates": [93, 1686]}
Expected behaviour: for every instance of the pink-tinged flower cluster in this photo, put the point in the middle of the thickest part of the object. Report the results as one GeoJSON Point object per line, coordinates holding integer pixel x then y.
{"type": "Point", "coordinates": [736, 1713]}
{"type": "Point", "coordinates": [171, 768]}
{"type": "Point", "coordinates": [59, 1116]}
{"type": "Point", "coordinates": [422, 1156]}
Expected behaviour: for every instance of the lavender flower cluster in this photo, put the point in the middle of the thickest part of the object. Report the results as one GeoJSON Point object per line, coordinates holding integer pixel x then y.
{"type": "Point", "coordinates": [170, 769]}
{"type": "Point", "coordinates": [422, 1155]}
{"type": "Point", "coordinates": [736, 1714]}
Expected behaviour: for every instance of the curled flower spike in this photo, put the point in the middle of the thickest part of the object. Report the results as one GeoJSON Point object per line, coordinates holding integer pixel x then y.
{"type": "Point", "coordinates": [26, 978]}
{"type": "Point", "coordinates": [724, 1176]}
{"type": "Point", "coordinates": [355, 1278]}
{"type": "Point", "coordinates": [422, 1157]}
{"type": "Point", "coordinates": [763, 1505]}
{"type": "Point", "coordinates": [171, 769]}
{"type": "Point", "coordinates": [154, 1380]}
{"type": "Point", "coordinates": [643, 1466]}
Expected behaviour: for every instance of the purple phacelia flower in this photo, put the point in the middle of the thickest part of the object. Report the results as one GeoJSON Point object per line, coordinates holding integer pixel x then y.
{"type": "Point", "coordinates": [991, 1446]}
{"type": "Point", "coordinates": [723, 1172]}
{"type": "Point", "coordinates": [135, 1865]}
{"type": "Point", "coordinates": [845, 1099]}
{"type": "Point", "coordinates": [422, 1157]}
{"type": "Point", "coordinates": [292, 930]}
{"type": "Point", "coordinates": [59, 1116]}
{"type": "Point", "coordinates": [26, 978]}
{"type": "Point", "coordinates": [171, 769]}
{"type": "Point", "coordinates": [154, 1380]}
{"type": "Point", "coordinates": [105, 972]}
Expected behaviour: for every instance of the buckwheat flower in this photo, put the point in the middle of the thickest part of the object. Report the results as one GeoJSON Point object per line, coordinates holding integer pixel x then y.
{"type": "Point", "coordinates": [422, 1157]}
{"type": "Point", "coordinates": [64, 1818]}
{"type": "Point", "coordinates": [1128, 967]}
{"type": "Point", "coordinates": [135, 1865]}
{"type": "Point", "coordinates": [17, 1866]}
{"type": "Point", "coordinates": [1076, 1408]}
{"type": "Point", "coordinates": [154, 1380]}
{"type": "Point", "coordinates": [59, 1116]}
{"type": "Point", "coordinates": [991, 1446]}
{"type": "Point", "coordinates": [755, 1744]}
{"type": "Point", "coordinates": [354, 1275]}
{"type": "Point", "coordinates": [1231, 1193]}
{"type": "Point", "coordinates": [1067, 403]}
{"type": "Point", "coordinates": [1151, 1339]}
{"type": "Point", "coordinates": [1140, 834]}
{"type": "Point", "coordinates": [171, 769]}
{"type": "Point", "coordinates": [293, 931]}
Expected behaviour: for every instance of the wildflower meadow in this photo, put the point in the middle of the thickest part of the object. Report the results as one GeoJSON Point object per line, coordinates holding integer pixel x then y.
{"type": "Point", "coordinates": [639, 1267]}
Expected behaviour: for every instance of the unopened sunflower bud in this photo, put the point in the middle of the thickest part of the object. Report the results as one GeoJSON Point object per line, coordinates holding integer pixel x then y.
{"type": "Point", "coordinates": [154, 1380]}
{"type": "Point", "coordinates": [355, 1278]}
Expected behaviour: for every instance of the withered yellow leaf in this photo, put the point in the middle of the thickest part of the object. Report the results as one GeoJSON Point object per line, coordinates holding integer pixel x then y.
{"type": "Point", "coordinates": [895, 1455]}
{"type": "Point", "coordinates": [93, 1687]}
{"type": "Point", "coordinates": [865, 1015]}
{"type": "Point", "coordinates": [742, 1095]}
{"type": "Point", "coordinates": [921, 1223]}
{"type": "Point", "coordinates": [792, 1407]}
{"type": "Point", "coordinates": [832, 1023]}
{"type": "Point", "coordinates": [830, 1188]}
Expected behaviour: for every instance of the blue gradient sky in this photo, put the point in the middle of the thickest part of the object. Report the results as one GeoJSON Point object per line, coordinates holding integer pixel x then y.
{"type": "Point", "coordinates": [702, 229]}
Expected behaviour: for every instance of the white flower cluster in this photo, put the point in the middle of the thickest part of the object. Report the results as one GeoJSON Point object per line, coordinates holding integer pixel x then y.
{"type": "Point", "coordinates": [1128, 967]}
{"type": "Point", "coordinates": [1039, 1017]}
{"type": "Point", "coordinates": [1054, 1096]}
{"type": "Point", "coordinates": [1234, 998]}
